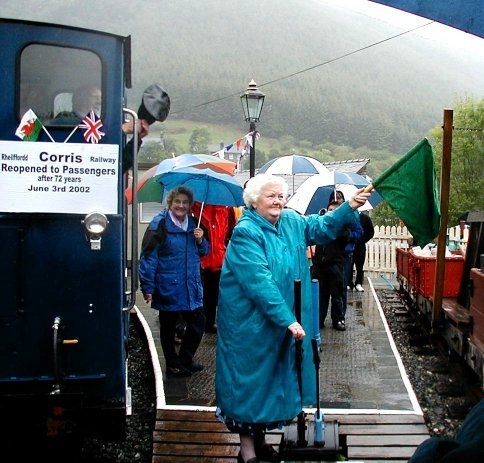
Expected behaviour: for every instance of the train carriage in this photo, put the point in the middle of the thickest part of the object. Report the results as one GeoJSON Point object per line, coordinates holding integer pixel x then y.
{"type": "Point", "coordinates": [66, 296]}
{"type": "Point", "coordinates": [460, 319]}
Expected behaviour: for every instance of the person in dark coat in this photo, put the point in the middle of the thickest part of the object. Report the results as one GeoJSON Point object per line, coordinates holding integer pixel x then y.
{"type": "Point", "coordinates": [359, 253]}
{"type": "Point", "coordinates": [169, 273]}
{"type": "Point", "coordinates": [328, 266]}
{"type": "Point", "coordinates": [355, 234]}
{"type": "Point", "coordinates": [466, 447]}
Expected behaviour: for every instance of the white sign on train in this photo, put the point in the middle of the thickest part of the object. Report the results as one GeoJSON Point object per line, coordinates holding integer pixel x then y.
{"type": "Point", "coordinates": [69, 178]}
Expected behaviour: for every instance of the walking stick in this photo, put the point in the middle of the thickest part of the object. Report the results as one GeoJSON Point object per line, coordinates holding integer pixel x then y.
{"type": "Point", "coordinates": [323, 440]}
{"type": "Point", "coordinates": [315, 302]}
{"type": "Point", "coordinates": [301, 417]}
{"type": "Point", "coordinates": [318, 418]}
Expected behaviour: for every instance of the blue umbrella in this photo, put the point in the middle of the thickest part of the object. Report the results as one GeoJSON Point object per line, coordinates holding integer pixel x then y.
{"type": "Point", "coordinates": [150, 190]}
{"type": "Point", "coordinates": [316, 191]}
{"type": "Point", "coordinates": [208, 186]}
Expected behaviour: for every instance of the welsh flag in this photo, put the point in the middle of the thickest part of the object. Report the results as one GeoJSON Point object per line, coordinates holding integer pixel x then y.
{"type": "Point", "coordinates": [29, 127]}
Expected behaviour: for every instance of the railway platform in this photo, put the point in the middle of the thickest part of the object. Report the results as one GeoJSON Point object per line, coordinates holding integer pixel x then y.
{"type": "Point", "coordinates": [363, 386]}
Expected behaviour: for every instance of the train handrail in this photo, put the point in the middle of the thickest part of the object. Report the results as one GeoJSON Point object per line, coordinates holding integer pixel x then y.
{"type": "Point", "coordinates": [134, 212]}
{"type": "Point", "coordinates": [56, 356]}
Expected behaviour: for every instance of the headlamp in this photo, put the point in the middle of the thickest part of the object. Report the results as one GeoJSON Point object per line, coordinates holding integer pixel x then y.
{"type": "Point", "coordinates": [95, 224]}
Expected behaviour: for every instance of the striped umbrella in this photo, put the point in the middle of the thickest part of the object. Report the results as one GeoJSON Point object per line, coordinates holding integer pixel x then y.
{"type": "Point", "coordinates": [293, 164]}
{"type": "Point", "coordinates": [151, 190]}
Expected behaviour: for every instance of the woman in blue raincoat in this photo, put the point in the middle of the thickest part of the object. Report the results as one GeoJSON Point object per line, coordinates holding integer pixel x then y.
{"type": "Point", "coordinates": [169, 274]}
{"type": "Point", "coordinates": [256, 377]}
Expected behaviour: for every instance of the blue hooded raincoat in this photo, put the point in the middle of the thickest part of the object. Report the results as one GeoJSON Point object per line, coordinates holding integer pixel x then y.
{"type": "Point", "coordinates": [256, 376]}
{"type": "Point", "coordinates": [171, 270]}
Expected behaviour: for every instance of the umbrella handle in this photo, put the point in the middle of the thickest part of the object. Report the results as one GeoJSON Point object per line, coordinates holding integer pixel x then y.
{"type": "Point", "coordinates": [368, 188]}
{"type": "Point", "coordinates": [315, 306]}
{"type": "Point", "coordinates": [201, 212]}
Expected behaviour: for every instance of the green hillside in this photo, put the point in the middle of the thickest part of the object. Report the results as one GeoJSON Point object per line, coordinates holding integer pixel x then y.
{"type": "Point", "coordinates": [176, 133]}
{"type": "Point", "coordinates": [331, 76]}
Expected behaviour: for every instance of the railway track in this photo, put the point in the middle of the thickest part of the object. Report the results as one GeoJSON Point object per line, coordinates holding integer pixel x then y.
{"type": "Point", "coordinates": [25, 444]}
{"type": "Point", "coordinates": [445, 386]}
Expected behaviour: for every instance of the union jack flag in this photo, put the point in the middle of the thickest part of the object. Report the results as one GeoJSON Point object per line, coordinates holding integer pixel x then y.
{"type": "Point", "coordinates": [91, 123]}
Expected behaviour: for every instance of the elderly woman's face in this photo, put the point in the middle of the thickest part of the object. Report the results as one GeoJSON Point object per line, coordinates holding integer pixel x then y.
{"type": "Point", "coordinates": [270, 202]}
{"type": "Point", "coordinates": [180, 206]}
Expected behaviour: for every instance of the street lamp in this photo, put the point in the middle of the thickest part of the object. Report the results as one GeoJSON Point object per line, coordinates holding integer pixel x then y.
{"type": "Point", "coordinates": [252, 102]}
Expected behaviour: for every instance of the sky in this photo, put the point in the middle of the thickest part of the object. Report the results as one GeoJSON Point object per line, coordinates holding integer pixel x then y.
{"type": "Point", "coordinates": [435, 31]}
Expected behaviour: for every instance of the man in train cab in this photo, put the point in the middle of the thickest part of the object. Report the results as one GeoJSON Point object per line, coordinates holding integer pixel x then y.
{"type": "Point", "coordinates": [84, 100]}
{"type": "Point", "coordinates": [89, 98]}
{"type": "Point", "coordinates": [155, 106]}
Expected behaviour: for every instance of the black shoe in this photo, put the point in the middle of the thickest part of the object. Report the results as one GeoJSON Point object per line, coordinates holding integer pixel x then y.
{"type": "Point", "coordinates": [178, 372]}
{"type": "Point", "coordinates": [194, 367]}
{"type": "Point", "coordinates": [241, 460]}
{"type": "Point", "coordinates": [211, 329]}
{"type": "Point", "coordinates": [180, 330]}
{"type": "Point", "coordinates": [339, 326]}
{"type": "Point", "coordinates": [267, 452]}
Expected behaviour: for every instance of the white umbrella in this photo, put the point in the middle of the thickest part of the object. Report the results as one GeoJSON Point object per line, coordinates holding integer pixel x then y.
{"type": "Point", "coordinates": [315, 192]}
{"type": "Point", "coordinates": [293, 164]}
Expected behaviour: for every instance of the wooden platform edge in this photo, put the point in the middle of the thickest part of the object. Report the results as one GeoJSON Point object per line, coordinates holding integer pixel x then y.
{"type": "Point", "coordinates": [186, 436]}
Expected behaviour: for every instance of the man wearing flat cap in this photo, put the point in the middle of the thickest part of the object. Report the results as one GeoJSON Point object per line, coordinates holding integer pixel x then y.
{"type": "Point", "coordinates": [155, 106]}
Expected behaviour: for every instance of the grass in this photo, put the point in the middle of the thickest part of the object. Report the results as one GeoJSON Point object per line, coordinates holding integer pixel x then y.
{"type": "Point", "coordinates": [179, 131]}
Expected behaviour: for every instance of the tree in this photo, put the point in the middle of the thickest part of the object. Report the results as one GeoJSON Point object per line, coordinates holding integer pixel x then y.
{"type": "Point", "coordinates": [383, 214]}
{"type": "Point", "coordinates": [467, 162]}
{"type": "Point", "coordinates": [151, 152]}
{"type": "Point", "coordinates": [199, 140]}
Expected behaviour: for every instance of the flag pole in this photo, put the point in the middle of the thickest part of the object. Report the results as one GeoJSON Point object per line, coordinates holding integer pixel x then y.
{"type": "Point", "coordinates": [72, 133]}
{"type": "Point", "coordinates": [444, 214]}
{"type": "Point", "coordinates": [46, 131]}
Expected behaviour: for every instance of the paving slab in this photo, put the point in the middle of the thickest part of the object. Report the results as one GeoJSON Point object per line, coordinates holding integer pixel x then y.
{"type": "Point", "coordinates": [359, 368]}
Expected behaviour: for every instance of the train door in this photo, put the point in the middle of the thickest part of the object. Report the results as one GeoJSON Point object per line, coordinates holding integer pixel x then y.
{"type": "Point", "coordinates": [64, 309]}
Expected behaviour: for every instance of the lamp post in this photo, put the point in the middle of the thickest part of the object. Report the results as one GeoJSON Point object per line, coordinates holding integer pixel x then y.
{"type": "Point", "coordinates": [252, 102]}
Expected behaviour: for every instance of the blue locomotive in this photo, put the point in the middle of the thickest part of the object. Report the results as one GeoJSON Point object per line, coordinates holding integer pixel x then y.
{"type": "Point", "coordinates": [65, 233]}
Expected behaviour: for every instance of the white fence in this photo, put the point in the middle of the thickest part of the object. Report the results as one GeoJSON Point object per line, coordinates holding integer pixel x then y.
{"type": "Point", "coordinates": [381, 254]}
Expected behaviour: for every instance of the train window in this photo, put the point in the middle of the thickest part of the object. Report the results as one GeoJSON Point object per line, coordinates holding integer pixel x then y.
{"type": "Point", "coordinates": [61, 85]}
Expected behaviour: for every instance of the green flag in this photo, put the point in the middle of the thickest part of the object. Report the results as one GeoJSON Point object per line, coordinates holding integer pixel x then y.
{"type": "Point", "coordinates": [410, 189]}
